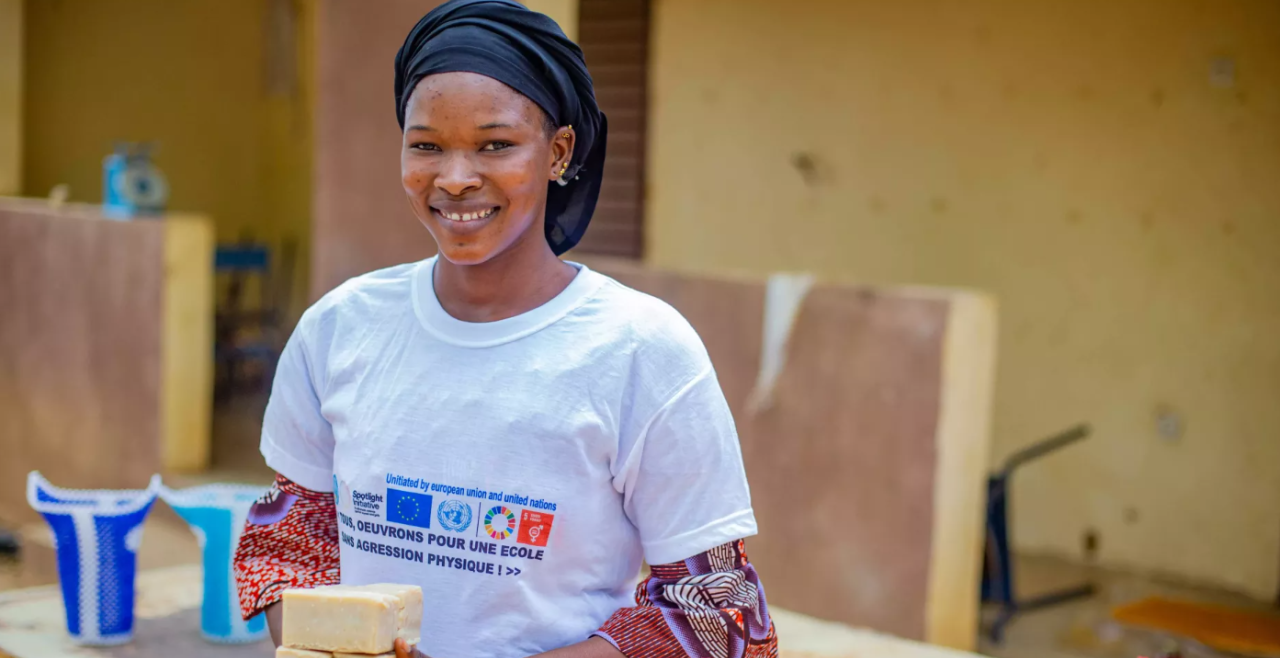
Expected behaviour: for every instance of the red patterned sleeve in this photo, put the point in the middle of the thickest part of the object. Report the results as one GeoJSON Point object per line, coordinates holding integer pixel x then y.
{"type": "Point", "coordinates": [290, 540]}
{"type": "Point", "coordinates": [709, 605]}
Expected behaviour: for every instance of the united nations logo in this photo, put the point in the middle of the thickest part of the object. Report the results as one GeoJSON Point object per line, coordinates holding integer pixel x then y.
{"type": "Point", "coordinates": [454, 515]}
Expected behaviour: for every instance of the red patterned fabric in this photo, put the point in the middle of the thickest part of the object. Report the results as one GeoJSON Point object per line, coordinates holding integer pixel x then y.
{"type": "Point", "coordinates": [710, 605]}
{"type": "Point", "coordinates": [766, 649]}
{"type": "Point", "coordinates": [290, 540]}
{"type": "Point", "coordinates": [641, 632]}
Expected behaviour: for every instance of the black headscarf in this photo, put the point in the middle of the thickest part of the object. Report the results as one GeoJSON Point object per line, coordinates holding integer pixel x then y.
{"type": "Point", "coordinates": [528, 52]}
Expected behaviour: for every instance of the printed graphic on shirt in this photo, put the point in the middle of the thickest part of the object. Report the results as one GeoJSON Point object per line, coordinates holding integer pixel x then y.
{"type": "Point", "coordinates": [499, 522]}
{"type": "Point", "coordinates": [511, 533]}
{"type": "Point", "coordinates": [535, 528]}
{"type": "Point", "coordinates": [408, 508]}
{"type": "Point", "coordinates": [367, 503]}
{"type": "Point", "coordinates": [454, 515]}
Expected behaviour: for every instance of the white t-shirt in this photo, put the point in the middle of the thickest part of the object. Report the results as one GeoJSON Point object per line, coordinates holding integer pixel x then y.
{"type": "Point", "coordinates": [519, 470]}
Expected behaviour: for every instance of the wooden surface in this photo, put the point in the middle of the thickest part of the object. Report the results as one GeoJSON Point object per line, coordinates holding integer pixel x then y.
{"type": "Point", "coordinates": [83, 349]}
{"type": "Point", "coordinates": [32, 626]}
{"type": "Point", "coordinates": [867, 469]}
{"type": "Point", "coordinates": [186, 365]}
{"type": "Point", "coordinates": [960, 473]}
{"type": "Point", "coordinates": [79, 350]}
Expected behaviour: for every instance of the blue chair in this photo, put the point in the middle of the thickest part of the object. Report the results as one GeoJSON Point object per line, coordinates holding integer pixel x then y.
{"type": "Point", "coordinates": [243, 334]}
{"type": "Point", "coordinates": [997, 568]}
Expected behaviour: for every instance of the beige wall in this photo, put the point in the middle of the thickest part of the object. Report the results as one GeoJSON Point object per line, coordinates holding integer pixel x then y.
{"type": "Point", "coordinates": [1071, 157]}
{"type": "Point", "coordinates": [11, 44]}
{"type": "Point", "coordinates": [565, 12]}
{"type": "Point", "coordinates": [191, 77]}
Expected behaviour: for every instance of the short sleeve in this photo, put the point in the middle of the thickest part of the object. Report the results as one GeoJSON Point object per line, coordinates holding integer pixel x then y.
{"type": "Point", "coordinates": [685, 488]}
{"type": "Point", "coordinates": [297, 440]}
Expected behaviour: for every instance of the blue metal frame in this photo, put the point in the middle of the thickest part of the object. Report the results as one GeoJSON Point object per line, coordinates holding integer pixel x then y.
{"type": "Point", "coordinates": [997, 568]}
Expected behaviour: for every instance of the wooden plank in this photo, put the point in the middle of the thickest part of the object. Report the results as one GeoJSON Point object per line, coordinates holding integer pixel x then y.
{"type": "Point", "coordinates": [80, 349]}
{"type": "Point", "coordinates": [867, 470]}
{"type": "Point", "coordinates": [187, 367]}
{"type": "Point", "coordinates": [963, 443]}
{"type": "Point", "coordinates": [848, 453]}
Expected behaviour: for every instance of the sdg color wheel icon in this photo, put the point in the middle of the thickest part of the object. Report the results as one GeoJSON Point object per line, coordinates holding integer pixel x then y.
{"type": "Point", "coordinates": [499, 522]}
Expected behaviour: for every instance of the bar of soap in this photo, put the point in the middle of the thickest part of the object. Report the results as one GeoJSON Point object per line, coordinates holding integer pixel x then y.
{"type": "Point", "coordinates": [362, 655]}
{"type": "Point", "coordinates": [286, 652]}
{"type": "Point", "coordinates": [409, 619]}
{"type": "Point", "coordinates": [353, 618]}
{"type": "Point", "coordinates": [337, 618]}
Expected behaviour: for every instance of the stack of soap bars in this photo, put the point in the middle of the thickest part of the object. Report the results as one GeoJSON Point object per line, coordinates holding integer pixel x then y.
{"type": "Point", "coordinates": [344, 621]}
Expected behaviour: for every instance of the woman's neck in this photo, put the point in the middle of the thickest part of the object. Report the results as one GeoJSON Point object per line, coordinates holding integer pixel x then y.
{"type": "Point", "coordinates": [515, 281]}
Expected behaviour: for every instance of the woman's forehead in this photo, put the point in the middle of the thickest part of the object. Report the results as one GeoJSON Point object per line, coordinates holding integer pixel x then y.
{"type": "Point", "coordinates": [482, 97]}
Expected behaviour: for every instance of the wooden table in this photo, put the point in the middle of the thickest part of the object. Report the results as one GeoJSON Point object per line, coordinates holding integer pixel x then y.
{"type": "Point", "coordinates": [168, 622]}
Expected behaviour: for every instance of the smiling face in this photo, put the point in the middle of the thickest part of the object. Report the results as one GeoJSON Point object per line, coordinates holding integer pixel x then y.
{"type": "Point", "coordinates": [475, 163]}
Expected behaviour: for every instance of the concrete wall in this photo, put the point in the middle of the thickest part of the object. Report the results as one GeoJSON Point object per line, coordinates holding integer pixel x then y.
{"type": "Point", "coordinates": [1075, 158]}
{"type": "Point", "coordinates": [11, 46]}
{"type": "Point", "coordinates": [193, 77]}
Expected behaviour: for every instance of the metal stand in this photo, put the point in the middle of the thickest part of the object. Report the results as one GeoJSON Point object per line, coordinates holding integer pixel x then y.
{"type": "Point", "coordinates": [997, 569]}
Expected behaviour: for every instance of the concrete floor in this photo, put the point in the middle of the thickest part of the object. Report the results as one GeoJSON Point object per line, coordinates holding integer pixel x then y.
{"type": "Point", "coordinates": [1084, 628]}
{"type": "Point", "coordinates": [1079, 629]}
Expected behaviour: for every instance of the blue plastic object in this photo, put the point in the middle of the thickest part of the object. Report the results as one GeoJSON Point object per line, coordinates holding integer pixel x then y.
{"type": "Point", "coordinates": [131, 185]}
{"type": "Point", "coordinates": [97, 536]}
{"type": "Point", "coordinates": [217, 514]}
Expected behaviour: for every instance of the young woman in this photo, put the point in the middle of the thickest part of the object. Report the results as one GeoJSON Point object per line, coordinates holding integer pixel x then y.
{"type": "Point", "coordinates": [512, 432]}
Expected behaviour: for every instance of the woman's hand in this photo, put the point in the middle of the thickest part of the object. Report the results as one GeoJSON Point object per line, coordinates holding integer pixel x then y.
{"type": "Point", "coordinates": [405, 650]}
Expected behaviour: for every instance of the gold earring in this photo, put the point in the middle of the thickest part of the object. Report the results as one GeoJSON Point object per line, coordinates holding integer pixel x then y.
{"type": "Point", "coordinates": [563, 168]}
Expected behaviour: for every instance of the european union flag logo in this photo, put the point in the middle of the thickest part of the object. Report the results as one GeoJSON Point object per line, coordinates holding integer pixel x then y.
{"type": "Point", "coordinates": [408, 508]}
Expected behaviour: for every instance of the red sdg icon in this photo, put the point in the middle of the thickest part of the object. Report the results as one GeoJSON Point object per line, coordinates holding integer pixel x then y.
{"type": "Point", "coordinates": [535, 528]}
